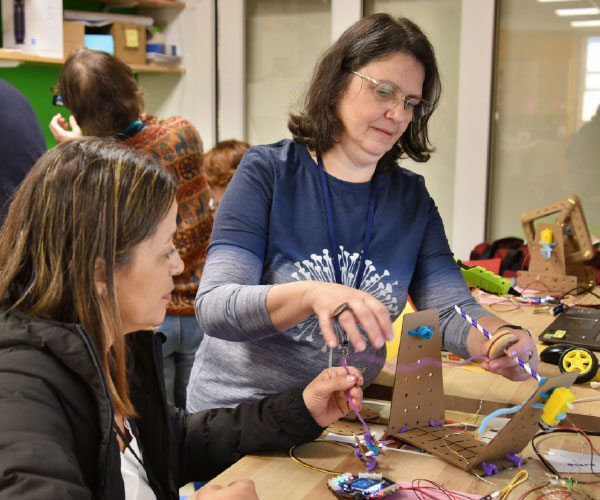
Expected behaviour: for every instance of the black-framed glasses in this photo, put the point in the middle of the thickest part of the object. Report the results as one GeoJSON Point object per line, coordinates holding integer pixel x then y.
{"type": "Point", "coordinates": [387, 92]}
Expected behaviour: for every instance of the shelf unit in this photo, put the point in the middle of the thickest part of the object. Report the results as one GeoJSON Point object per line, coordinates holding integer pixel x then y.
{"type": "Point", "coordinates": [143, 4]}
{"type": "Point", "coordinates": [31, 59]}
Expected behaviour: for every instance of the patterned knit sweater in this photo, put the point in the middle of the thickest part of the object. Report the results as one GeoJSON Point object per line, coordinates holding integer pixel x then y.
{"type": "Point", "coordinates": [177, 144]}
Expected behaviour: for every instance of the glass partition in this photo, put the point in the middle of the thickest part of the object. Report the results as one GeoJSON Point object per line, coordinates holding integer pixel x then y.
{"type": "Point", "coordinates": [440, 20]}
{"type": "Point", "coordinates": [546, 125]}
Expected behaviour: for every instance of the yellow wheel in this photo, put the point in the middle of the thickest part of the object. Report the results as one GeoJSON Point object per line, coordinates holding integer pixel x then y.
{"type": "Point", "coordinates": [582, 359]}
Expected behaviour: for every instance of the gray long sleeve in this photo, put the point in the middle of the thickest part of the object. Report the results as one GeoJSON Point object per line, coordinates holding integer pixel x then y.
{"type": "Point", "coordinates": [230, 303]}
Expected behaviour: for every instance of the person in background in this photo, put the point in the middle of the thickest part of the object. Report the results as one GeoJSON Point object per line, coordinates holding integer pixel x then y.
{"type": "Point", "coordinates": [103, 96]}
{"type": "Point", "coordinates": [21, 141]}
{"type": "Point", "coordinates": [325, 233]}
{"type": "Point", "coordinates": [220, 164]}
{"type": "Point", "coordinates": [87, 262]}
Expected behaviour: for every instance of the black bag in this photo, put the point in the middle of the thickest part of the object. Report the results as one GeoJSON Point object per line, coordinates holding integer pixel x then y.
{"type": "Point", "coordinates": [512, 251]}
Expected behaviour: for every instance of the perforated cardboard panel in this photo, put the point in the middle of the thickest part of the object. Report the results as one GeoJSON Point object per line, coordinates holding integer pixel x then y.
{"type": "Point", "coordinates": [418, 392]}
{"type": "Point", "coordinates": [555, 264]}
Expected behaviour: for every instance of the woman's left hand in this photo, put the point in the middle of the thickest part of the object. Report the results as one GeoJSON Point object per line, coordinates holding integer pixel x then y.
{"type": "Point", "coordinates": [507, 365]}
{"type": "Point", "coordinates": [325, 397]}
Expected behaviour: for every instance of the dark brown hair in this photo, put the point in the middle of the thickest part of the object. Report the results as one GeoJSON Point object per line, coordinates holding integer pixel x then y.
{"type": "Point", "coordinates": [100, 91]}
{"type": "Point", "coordinates": [221, 161]}
{"type": "Point", "coordinates": [84, 201]}
{"type": "Point", "coordinates": [374, 37]}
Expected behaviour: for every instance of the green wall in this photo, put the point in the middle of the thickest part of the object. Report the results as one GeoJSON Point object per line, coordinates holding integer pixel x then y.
{"type": "Point", "coordinates": [35, 82]}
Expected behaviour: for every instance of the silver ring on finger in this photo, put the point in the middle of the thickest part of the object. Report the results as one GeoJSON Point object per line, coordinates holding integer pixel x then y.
{"type": "Point", "coordinates": [340, 309]}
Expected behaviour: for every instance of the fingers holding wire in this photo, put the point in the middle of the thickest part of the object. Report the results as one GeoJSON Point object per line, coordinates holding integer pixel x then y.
{"type": "Point", "coordinates": [372, 316]}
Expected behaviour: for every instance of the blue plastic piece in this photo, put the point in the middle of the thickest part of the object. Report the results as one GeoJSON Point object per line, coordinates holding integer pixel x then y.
{"type": "Point", "coordinates": [546, 249]}
{"type": "Point", "coordinates": [423, 331]}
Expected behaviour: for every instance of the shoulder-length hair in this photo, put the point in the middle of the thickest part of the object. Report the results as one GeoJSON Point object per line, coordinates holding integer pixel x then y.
{"type": "Point", "coordinates": [100, 91]}
{"type": "Point", "coordinates": [85, 201]}
{"type": "Point", "coordinates": [374, 37]}
{"type": "Point", "coordinates": [221, 162]}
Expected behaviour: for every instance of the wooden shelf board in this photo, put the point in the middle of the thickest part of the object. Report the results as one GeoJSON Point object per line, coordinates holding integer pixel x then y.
{"type": "Point", "coordinates": [10, 55]}
{"type": "Point", "coordinates": [144, 4]}
{"type": "Point", "coordinates": [147, 68]}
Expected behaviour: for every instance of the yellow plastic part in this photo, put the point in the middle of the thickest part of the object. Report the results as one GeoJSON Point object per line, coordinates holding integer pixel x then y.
{"type": "Point", "coordinates": [393, 345]}
{"type": "Point", "coordinates": [559, 402]}
{"type": "Point", "coordinates": [577, 359]}
{"type": "Point", "coordinates": [547, 236]}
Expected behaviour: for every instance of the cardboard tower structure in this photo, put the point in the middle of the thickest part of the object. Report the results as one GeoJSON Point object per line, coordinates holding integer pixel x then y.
{"type": "Point", "coordinates": [561, 266]}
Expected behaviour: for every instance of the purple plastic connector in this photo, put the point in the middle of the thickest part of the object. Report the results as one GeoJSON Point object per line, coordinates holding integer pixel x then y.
{"type": "Point", "coordinates": [490, 469]}
{"type": "Point", "coordinates": [403, 429]}
{"type": "Point", "coordinates": [515, 459]}
{"type": "Point", "coordinates": [436, 424]}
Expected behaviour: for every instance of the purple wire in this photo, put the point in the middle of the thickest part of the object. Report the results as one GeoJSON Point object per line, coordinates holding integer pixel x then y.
{"type": "Point", "coordinates": [413, 366]}
{"type": "Point", "coordinates": [368, 433]}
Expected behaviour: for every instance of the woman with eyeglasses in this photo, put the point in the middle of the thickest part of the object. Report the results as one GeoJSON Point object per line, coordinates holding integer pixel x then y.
{"type": "Point", "coordinates": [87, 261]}
{"type": "Point", "coordinates": [320, 239]}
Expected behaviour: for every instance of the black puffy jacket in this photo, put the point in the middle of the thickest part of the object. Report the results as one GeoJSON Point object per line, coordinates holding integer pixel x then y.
{"type": "Point", "coordinates": [56, 437]}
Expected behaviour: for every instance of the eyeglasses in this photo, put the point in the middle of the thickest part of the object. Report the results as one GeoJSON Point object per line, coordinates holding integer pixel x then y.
{"type": "Point", "coordinates": [386, 92]}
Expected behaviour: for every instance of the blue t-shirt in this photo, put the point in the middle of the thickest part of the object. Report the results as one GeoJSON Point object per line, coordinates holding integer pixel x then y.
{"type": "Point", "coordinates": [273, 218]}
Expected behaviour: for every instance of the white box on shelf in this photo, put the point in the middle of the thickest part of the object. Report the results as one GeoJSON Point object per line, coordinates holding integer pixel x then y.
{"type": "Point", "coordinates": [33, 26]}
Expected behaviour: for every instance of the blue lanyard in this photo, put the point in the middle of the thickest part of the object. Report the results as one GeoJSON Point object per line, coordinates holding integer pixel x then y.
{"type": "Point", "coordinates": [330, 225]}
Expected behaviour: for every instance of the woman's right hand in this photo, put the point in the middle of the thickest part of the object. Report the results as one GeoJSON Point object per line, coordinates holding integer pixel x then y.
{"type": "Point", "coordinates": [60, 128]}
{"type": "Point", "coordinates": [243, 488]}
{"type": "Point", "coordinates": [363, 308]}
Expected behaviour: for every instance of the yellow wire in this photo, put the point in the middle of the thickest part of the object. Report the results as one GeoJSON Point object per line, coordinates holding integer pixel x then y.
{"type": "Point", "coordinates": [519, 478]}
{"type": "Point", "coordinates": [312, 467]}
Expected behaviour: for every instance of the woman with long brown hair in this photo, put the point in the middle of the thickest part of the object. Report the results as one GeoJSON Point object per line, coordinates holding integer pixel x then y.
{"type": "Point", "coordinates": [87, 263]}
{"type": "Point", "coordinates": [102, 93]}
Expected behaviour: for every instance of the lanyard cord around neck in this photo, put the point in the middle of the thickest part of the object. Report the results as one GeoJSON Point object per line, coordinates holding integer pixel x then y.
{"type": "Point", "coordinates": [150, 475]}
{"type": "Point", "coordinates": [330, 226]}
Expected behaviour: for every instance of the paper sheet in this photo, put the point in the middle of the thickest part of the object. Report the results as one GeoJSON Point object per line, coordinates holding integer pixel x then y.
{"type": "Point", "coordinates": [573, 462]}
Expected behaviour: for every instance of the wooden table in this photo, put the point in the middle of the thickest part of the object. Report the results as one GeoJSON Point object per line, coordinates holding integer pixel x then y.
{"type": "Point", "coordinates": [466, 389]}
{"type": "Point", "coordinates": [277, 477]}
